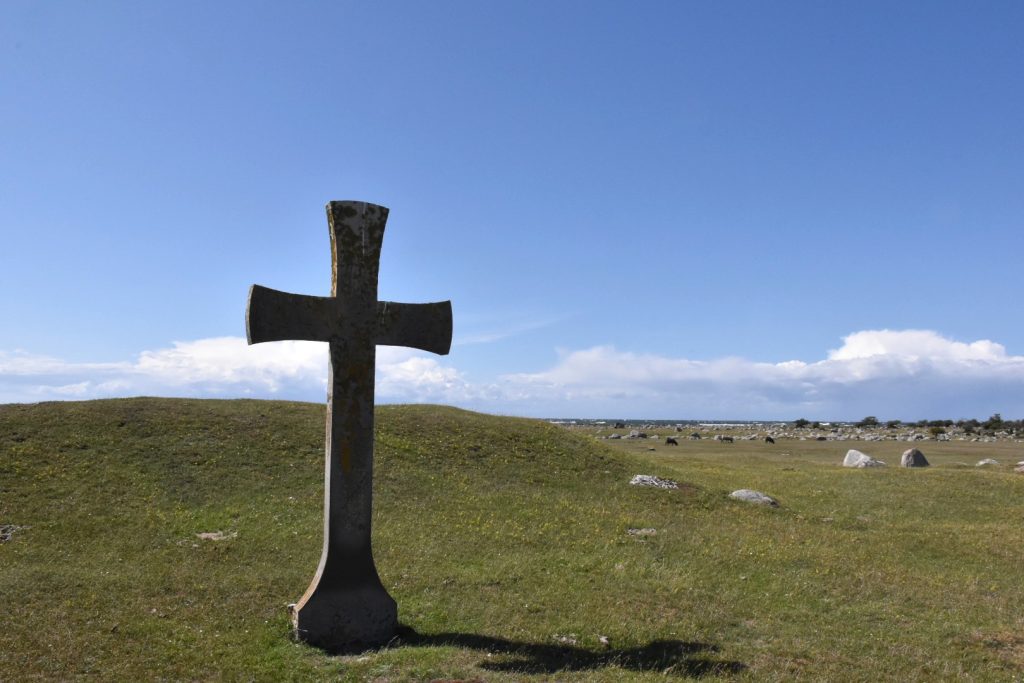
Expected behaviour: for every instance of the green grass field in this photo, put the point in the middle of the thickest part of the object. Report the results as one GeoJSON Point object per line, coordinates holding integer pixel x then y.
{"type": "Point", "coordinates": [506, 544]}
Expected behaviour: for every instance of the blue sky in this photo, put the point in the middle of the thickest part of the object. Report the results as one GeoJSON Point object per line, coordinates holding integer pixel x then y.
{"type": "Point", "coordinates": [662, 209]}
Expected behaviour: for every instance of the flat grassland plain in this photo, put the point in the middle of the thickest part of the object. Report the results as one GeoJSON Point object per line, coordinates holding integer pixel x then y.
{"type": "Point", "coordinates": [507, 545]}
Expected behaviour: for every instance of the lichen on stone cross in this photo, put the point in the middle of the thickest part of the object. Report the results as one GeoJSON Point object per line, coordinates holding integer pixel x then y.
{"type": "Point", "coordinates": [346, 608]}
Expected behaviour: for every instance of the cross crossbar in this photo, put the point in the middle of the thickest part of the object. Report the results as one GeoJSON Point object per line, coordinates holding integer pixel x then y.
{"type": "Point", "coordinates": [273, 315]}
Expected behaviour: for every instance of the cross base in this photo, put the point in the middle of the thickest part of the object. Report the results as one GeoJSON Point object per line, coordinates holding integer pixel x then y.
{"type": "Point", "coordinates": [347, 620]}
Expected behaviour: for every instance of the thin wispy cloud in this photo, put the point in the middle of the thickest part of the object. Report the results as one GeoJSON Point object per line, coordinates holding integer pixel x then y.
{"type": "Point", "coordinates": [892, 373]}
{"type": "Point", "coordinates": [501, 332]}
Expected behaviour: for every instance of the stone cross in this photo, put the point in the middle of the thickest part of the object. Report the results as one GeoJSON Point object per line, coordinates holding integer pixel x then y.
{"type": "Point", "coordinates": [345, 607]}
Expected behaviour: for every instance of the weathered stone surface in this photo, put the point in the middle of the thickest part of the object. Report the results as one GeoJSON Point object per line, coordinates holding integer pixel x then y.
{"type": "Point", "coordinates": [912, 457]}
{"type": "Point", "coordinates": [855, 458]}
{"type": "Point", "coordinates": [987, 461]}
{"type": "Point", "coordinates": [651, 480]}
{"type": "Point", "coordinates": [345, 607]}
{"type": "Point", "coordinates": [756, 497]}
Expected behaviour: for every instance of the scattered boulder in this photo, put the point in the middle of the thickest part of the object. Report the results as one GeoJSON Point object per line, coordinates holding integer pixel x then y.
{"type": "Point", "coordinates": [615, 436]}
{"type": "Point", "coordinates": [987, 461]}
{"type": "Point", "coordinates": [651, 480]}
{"type": "Point", "coordinates": [216, 535]}
{"type": "Point", "coordinates": [7, 531]}
{"type": "Point", "coordinates": [642, 532]}
{"type": "Point", "coordinates": [912, 457]}
{"type": "Point", "coordinates": [755, 497]}
{"type": "Point", "coordinates": [855, 458]}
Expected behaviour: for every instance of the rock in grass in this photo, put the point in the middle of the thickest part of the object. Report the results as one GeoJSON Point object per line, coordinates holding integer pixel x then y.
{"type": "Point", "coordinates": [651, 480]}
{"type": "Point", "coordinates": [913, 457]}
{"type": "Point", "coordinates": [855, 458]}
{"type": "Point", "coordinates": [987, 461]}
{"type": "Point", "coordinates": [755, 497]}
{"type": "Point", "coordinates": [647, 531]}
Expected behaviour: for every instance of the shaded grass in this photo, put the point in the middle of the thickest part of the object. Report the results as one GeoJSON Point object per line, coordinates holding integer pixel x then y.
{"type": "Point", "coordinates": [504, 542]}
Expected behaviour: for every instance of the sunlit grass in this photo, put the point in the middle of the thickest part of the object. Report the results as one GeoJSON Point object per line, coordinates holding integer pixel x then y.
{"type": "Point", "coordinates": [505, 543]}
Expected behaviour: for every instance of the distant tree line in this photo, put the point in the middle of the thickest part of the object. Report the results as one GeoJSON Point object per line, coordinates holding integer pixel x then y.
{"type": "Point", "coordinates": [993, 424]}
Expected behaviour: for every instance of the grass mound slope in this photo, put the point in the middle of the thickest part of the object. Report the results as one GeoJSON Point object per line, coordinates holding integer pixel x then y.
{"type": "Point", "coordinates": [516, 551]}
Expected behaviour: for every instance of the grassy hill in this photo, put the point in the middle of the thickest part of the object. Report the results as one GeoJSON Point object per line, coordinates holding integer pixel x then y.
{"type": "Point", "coordinates": [506, 544]}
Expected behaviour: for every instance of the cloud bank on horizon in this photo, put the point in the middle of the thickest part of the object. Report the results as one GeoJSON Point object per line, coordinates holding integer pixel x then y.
{"type": "Point", "coordinates": [905, 374]}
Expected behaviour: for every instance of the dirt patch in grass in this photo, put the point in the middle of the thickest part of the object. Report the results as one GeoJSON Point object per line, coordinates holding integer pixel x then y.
{"type": "Point", "coordinates": [1007, 646]}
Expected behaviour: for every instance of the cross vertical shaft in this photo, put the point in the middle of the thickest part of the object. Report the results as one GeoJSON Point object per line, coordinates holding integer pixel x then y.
{"type": "Point", "coordinates": [346, 589]}
{"type": "Point", "coordinates": [346, 607]}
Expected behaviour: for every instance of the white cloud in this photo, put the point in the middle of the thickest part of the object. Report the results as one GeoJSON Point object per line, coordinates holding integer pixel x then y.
{"type": "Point", "coordinates": [913, 344]}
{"type": "Point", "coordinates": [222, 366]}
{"type": "Point", "coordinates": [890, 373]}
{"type": "Point", "coordinates": [905, 374]}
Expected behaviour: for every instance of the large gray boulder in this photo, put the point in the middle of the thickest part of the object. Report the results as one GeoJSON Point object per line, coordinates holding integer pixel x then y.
{"type": "Point", "coordinates": [855, 458]}
{"type": "Point", "coordinates": [912, 457]}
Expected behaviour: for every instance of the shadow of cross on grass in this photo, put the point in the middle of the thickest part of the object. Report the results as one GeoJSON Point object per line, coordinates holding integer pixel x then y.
{"type": "Point", "coordinates": [670, 657]}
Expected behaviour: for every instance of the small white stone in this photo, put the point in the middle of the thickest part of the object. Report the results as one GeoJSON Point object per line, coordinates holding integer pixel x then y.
{"type": "Point", "coordinates": [756, 497]}
{"type": "Point", "coordinates": [651, 480]}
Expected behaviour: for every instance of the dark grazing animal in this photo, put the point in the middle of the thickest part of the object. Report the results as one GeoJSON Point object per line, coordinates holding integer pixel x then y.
{"type": "Point", "coordinates": [726, 439]}
{"type": "Point", "coordinates": [669, 441]}
{"type": "Point", "coordinates": [769, 439]}
{"type": "Point", "coordinates": [695, 436]}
